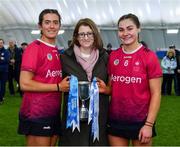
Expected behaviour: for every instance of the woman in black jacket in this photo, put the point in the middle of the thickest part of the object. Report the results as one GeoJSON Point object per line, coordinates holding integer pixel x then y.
{"type": "Point", "coordinates": [85, 59]}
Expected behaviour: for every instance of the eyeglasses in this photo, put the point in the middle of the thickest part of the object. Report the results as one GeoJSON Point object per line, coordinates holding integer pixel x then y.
{"type": "Point", "coordinates": [88, 34]}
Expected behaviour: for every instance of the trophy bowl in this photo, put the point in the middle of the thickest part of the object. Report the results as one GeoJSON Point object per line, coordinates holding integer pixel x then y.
{"type": "Point", "coordinates": [83, 89]}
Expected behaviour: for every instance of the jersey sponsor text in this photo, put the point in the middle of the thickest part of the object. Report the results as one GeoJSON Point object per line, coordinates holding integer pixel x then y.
{"type": "Point", "coordinates": [126, 79]}
{"type": "Point", "coordinates": [53, 73]}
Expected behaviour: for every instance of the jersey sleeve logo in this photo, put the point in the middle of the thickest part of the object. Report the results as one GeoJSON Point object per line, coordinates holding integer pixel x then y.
{"type": "Point", "coordinates": [116, 62]}
{"type": "Point", "coordinates": [137, 63]}
{"type": "Point", "coordinates": [49, 57]}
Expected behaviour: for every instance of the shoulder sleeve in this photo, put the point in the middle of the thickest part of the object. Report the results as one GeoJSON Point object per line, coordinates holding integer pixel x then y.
{"type": "Point", "coordinates": [30, 58]}
{"type": "Point", "coordinates": [153, 66]}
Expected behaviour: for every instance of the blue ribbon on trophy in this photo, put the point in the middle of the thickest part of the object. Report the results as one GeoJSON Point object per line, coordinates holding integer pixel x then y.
{"type": "Point", "coordinates": [94, 109]}
{"type": "Point", "coordinates": [73, 105]}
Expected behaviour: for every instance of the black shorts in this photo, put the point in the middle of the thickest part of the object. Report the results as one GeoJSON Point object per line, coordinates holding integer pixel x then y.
{"type": "Point", "coordinates": [129, 131]}
{"type": "Point", "coordinates": [40, 127]}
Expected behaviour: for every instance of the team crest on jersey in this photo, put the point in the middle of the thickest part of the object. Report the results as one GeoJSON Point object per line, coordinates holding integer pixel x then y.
{"type": "Point", "coordinates": [126, 62]}
{"type": "Point", "coordinates": [49, 56]}
{"type": "Point", "coordinates": [116, 62]}
{"type": "Point", "coordinates": [137, 63]}
{"type": "Point", "coordinates": [136, 67]}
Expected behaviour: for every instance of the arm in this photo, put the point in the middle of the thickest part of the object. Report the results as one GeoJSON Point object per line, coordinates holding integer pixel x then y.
{"type": "Point", "coordinates": [174, 64]}
{"type": "Point", "coordinates": [145, 133]}
{"type": "Point", "coordinates": [103, 88]}
{"type": "Point", "coordinates": [163, 63]}
{"type": "Point", "coordinates": [155, 88]}
{"type": "Point", "coordinates": [28, 84]}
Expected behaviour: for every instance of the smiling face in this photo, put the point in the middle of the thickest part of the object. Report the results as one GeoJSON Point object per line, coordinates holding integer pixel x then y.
{"type": "Point", "coordinates": [50, 27]}
{"type": "Point", "coordinates": [85, 37]}
{"type": "Point", "coordinates": [128, 32]}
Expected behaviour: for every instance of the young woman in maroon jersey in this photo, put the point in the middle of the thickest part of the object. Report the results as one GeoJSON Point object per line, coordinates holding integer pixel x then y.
{"type": "Point", "coordinates": [135, 79]}
{"type": "Point", "coordinates": [41, 80]}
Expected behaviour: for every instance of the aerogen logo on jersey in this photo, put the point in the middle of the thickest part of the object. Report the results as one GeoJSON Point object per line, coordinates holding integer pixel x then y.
{"type": "Point", "coordinates": [116, 62]}
{"type": "Point", "coordinates": [49, 56]}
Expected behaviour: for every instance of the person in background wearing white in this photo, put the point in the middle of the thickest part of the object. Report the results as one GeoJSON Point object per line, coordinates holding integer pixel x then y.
{"type": "Point", "coordinates": [169, 65]}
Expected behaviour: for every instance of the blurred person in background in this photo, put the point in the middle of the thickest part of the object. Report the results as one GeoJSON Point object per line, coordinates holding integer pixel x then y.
{"type": "Point", "coordinates": [168, 64]}
{"type": "Point", "coordinates": [4, 63]}
{"type": "Point", "coordinates": [22, 49]}
{"type": "Point", "coordinates": [177, 71]}
{"type": "Point", "coordinates": [14, 66]}
{"type": "Point", "coordinates": [24, 46]}
{"type": "Point", "coordinates": [109, 48]}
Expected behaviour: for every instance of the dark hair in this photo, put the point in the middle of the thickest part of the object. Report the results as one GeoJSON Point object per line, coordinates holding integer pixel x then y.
{"type": "Point", "coordinates": [87, 22]}
{"type": "Point", "coordinates": [2, 40]}
{"type": "Point", "coordinates": [132, 17]}
{"type": "Point", "coordinates": [144, 43]}
{"type": "Point", "coordinates": [24, 43]}
{"type": "Point", "coordinates": [172, 46]}
{"type": "Point", "coordinates": [109, 45]}
{"type": "Point", "coordinates": [46, 11]}
{"type": "Point", "coordinates": [69, 43]}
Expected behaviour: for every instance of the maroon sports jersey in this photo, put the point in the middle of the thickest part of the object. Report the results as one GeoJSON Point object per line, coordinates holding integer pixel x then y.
{"type": "Point", "coordinates": [43, 60]}
{"type": "Point", "coordinates": [130, 74]}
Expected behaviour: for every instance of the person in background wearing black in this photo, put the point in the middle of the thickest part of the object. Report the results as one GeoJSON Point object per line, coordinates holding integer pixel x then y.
{"type": "Point", "coordinates": [177, 71]}
{"type": "Point", "coordinates": [23, 46]}
{"type": "Point", "coordinates": [109, 48]}
{"type": "Point", "coordinates": [4, 60]}
{"type": "Point", "coordinates": [22, 49]}
{"type": "Point", "coordinates": [14, 65]}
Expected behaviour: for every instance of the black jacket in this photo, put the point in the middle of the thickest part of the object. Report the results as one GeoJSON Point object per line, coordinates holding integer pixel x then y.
{"type": "Point", "coordinates": [4, 59]}
{"type": "Point", "coordinates": [178, 60]}
{"type": "Point", "coordinates": [71, 66]}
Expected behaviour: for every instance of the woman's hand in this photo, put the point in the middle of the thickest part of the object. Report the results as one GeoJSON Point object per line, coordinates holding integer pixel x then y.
{"type": "Point", "coordinates": [145, 134]}
{"type": "Point", "coordinates": [64, 84]}
{"type": "Point", "coordinates": [103, 88]}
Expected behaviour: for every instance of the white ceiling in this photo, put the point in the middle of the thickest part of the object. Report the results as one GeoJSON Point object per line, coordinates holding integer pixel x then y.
{"type": "Point", "coordinates": [24, 13]}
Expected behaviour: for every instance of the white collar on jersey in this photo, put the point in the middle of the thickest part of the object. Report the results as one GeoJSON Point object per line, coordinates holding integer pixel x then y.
{"type": "Point", "coordinates": [132, 51]}
{"type": "Point", "coordinates": [48, 44]}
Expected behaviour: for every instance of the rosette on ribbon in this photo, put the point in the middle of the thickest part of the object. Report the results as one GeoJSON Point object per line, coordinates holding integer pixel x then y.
{"type": "Point", "coordinates": [73, 105]}
{"type": "Point", "coordinates": [94, 109]}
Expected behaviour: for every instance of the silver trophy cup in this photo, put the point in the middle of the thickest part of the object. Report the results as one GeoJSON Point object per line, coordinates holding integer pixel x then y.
{"type": "Point", "coordinates": [83, 88]}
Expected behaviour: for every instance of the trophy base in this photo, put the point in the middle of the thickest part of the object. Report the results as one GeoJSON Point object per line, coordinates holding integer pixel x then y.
{"type": "Point", "coordinates": [84, 119]}
{"type": "Point", "coordinates": [83, 114]}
